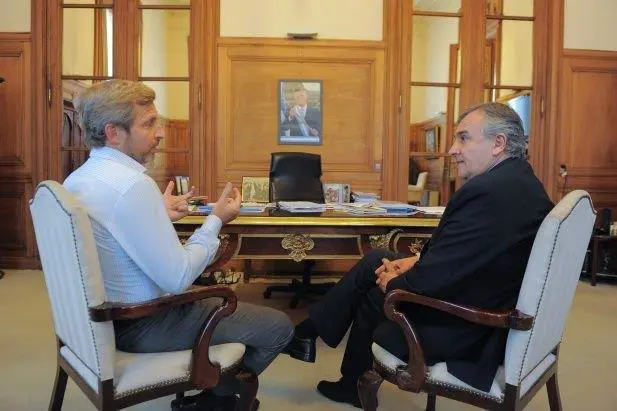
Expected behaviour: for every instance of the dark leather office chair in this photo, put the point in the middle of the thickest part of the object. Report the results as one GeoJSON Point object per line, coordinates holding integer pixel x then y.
{"type": "Point", "coordinates": [297, 177]}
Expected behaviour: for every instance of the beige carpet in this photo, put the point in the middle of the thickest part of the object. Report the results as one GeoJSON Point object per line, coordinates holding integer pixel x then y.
{"type": "Point", "coordinates": [587, 370]}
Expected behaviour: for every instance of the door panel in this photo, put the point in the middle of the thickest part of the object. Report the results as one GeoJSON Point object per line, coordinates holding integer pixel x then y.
{"type": "Point", "coordinates": [586, 142]}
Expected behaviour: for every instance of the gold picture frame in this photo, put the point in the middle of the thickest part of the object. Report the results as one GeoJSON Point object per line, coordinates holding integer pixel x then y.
{"type": "Point", "coordinates": [255, 189]}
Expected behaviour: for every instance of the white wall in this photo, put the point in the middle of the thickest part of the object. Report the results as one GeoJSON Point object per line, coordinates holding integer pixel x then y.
{"type": "Point", "coordinates": [178, 29]}
{"type": "Point", "coordinates": [517, 45]}
{"type": "Point", "coordinates": [15, 16]}
{"type": "Point", "coordinates": [78, 42]}
{"type": "Point", "coordinates": [431, 40]}
{"type": "Point", "coordinates": [332, 19]}
{"type": "Point", "coordinates": [590, 24]}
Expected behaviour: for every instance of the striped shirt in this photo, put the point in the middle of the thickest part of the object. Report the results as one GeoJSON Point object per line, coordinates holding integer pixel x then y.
{"type": "Point", "coordinates": [139, 251]}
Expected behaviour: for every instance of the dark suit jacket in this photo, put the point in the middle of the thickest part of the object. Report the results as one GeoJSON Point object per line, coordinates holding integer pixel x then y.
{"type": "Point", "coordinates": [312, 118]}
{"type": "Point", "coordinates": [476, 256]}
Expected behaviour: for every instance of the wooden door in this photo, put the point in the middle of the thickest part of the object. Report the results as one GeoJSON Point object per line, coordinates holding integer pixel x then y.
{"type": "Point", "coordinates": [586, 140]}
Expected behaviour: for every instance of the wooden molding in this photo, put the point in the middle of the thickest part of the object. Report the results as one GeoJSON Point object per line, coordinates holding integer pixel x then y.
{"type": "Point", "coordinates": [585, 126]}
{"type": "Point", "coordinates": [280, 42]}
{"type": "Point", "coordinates": [353, 81]}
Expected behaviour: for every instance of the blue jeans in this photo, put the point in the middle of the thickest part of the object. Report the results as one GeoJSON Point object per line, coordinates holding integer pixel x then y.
{"type": "Point", "coordinates": [264, 330]}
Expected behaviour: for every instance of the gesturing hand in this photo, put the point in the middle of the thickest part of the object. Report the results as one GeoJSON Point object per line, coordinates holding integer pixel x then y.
{"type": "Point", "coordinates": [176, 206]}
{"type": "Point", "coordinates": [228, 205]}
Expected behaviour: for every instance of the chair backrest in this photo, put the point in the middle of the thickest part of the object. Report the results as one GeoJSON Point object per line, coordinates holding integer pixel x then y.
{"type": "Point", "coordinates": [296, 177]}
{"type": "Point", "coordinates": [421, 182]}
{"type": "Point", "coordinates": [550, 281]}
{"type": "Point", "coordinates": [72, 275]}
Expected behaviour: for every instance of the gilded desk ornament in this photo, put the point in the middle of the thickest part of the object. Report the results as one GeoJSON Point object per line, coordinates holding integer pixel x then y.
{"type": "Point", "coordinates": [416, 245]}
{"type": "Point", "coordinates": [382, 240]}
{"type": "Point", "coordinates": [298, 244]}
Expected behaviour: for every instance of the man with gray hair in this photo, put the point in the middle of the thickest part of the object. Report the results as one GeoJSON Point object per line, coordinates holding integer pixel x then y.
{"type": "Point", "coordinates": [475, 257]}
{"type": "Point", "coordinates": [139, 251]}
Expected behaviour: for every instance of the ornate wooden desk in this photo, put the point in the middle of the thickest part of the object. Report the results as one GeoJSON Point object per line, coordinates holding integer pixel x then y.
{"type": "Point", "coordinates": [326, 236]}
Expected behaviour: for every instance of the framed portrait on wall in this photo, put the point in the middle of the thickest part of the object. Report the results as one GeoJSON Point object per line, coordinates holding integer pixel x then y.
{"type": "Point", "coordinates": [300, 112]}
{"type": "Point", "coordinates": [431, 137]}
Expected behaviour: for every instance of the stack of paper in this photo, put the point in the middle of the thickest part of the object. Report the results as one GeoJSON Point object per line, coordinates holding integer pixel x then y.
{"type": "Point", "coordinates": [396, 207]}
{"type": "Point", "coordinates": [244, 208]}
{"type": "Point", "coordinates": [360, 197]}
{"type": "Point", "coordinates": [361, 208]}
{"type": "Point", "coordinates": [302, 206]}
{"type": "Point", "coordinates": [432, 210]}
{"type": "Point", "coordinates": [253, 207]}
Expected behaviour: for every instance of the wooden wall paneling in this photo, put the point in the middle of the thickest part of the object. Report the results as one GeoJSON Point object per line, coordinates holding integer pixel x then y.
{"type": "Point", "coordinates": [395, 165]}
{"type": "Point", "coordinates": [587, 142]}
{"type": "Point", "coordinates": [545, 26]}
{"type": "Point", "coordinates": [353, 107]}
{"type": "Point", "coordinates": [473, 34]}
{"type": "Point", "coordinates": [16, 151]}
{"type": "Point", "coordinates": [204, 130]}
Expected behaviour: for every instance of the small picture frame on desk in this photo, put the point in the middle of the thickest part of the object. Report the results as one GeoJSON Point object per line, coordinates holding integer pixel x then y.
{"type": "Point", "coordinates": [255, 189]}
{"type": "Point", "coordinates": [337, 193]}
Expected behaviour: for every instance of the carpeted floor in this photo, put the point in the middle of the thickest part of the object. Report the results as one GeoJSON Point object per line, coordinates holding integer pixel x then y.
{"type": "Point", "coordinates": [587, 367]}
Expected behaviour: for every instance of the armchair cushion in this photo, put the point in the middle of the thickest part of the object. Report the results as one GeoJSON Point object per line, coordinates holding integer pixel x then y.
{"type": "Point", "coordinates": [438, 374]}
{"type": "Point", "coordinates": [139, 371]}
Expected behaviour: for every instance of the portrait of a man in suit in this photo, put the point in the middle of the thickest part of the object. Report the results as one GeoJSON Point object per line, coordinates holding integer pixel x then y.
{"type": "Point", "coordinates": [300, 112]}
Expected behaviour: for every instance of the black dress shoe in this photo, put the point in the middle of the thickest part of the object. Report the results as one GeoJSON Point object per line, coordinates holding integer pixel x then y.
{"type": "Point", "coordinates": [207, 401]}
{"type": "Point", "coordinates": [302, 349]}
{"type": "Point", "coordinates": [340, 391]}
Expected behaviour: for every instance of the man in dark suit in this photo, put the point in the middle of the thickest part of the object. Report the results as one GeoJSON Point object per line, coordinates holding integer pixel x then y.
{"type": "Point", "coordinates": [476, 256]}
{"type": "Point", "coordinates": [301, 119]}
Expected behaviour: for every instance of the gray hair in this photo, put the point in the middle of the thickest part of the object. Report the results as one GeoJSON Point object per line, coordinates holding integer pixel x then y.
{"type": "Point", "coordinates": [502, 119]}
{"type": "Point", "coordinates": [110, 102]}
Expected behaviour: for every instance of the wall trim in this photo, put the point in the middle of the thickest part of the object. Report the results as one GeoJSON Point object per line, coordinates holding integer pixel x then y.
{"type": "Point", "coordinates": [281, 42]}
{"type": "Point", "coordinates": [590, 54]}
{"type": "Point", "coordinates": [10, 36]}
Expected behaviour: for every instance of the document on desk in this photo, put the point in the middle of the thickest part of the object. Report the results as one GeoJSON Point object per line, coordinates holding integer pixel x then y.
{"type": "Point", "coordinates": [253, 207]}
{"type": "Point", "coordinates": [244, 208]}
{"type": "Point", "coordinates": [360, 209]}
{"type": "Point", "coordinates": [302, 206]}
{"type": "Point", "coordinates": [432, 210]}
{"type": "Point", "coordinates": [397, 207]}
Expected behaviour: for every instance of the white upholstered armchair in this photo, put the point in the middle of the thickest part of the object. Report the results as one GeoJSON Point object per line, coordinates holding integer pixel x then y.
{"type": "Point", "coordinates": [414, 191]}
{"type": "Point", "coordinates": [536, 324]}
{"type": "Point", "coordinates": [83, 321]}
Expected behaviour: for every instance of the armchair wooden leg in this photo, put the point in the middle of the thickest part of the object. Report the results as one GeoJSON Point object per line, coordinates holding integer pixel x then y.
{"type": "Point", "coordinates": [57, 395]}
{"type": "Point", "coordinates": [554, 399]}
{"type": "Point", "coordinates": [431, 402]}
{"type": "Point", "coordinates": [250, 384]}
{"type": "Point", "coordinates": [368, 386]}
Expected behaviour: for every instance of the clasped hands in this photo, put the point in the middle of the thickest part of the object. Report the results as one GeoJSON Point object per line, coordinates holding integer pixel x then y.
{"type": "Point", "coordinates": [226, 208]}
{"type": "Point", "coordinates": [391, 269]}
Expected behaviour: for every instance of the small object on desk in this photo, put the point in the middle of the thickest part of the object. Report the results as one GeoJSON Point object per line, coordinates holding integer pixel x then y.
{"type": "Point", "coordinates": [367, 209]}
{"type": "Point", "coordinates": [359, 197]}
{"type": "Point", "coordinates": [431, 210]}
{"type": "Point", "coordinates": [302, 206]}
{"type": "Point", "coordinates": [302, 36]}
{"type": "Point", "coordinates": [397, 207]}
{"type": "Point", "coordinates": [253, 207]}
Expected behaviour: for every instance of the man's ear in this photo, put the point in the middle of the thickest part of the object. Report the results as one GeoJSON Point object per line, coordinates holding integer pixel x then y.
{"type": "Point", "coordinates": [499, 144]}
{"type": "Point", "coordinates": [112, 135]}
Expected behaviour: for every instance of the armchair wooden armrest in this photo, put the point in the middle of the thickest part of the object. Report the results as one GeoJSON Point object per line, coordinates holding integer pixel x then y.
{"type": "Point", "coordinates": [411, 378]}
{"type": "Point", "coordinates": [204, 374]}
{"type": "Point", "coordinates": [493, 318]}
{"type": "Point", "coordinates": [122, 311]}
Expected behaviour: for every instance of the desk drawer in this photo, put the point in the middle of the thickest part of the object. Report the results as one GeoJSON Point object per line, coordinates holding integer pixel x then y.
{"type": "Point", "coordinates": [298, 247]}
